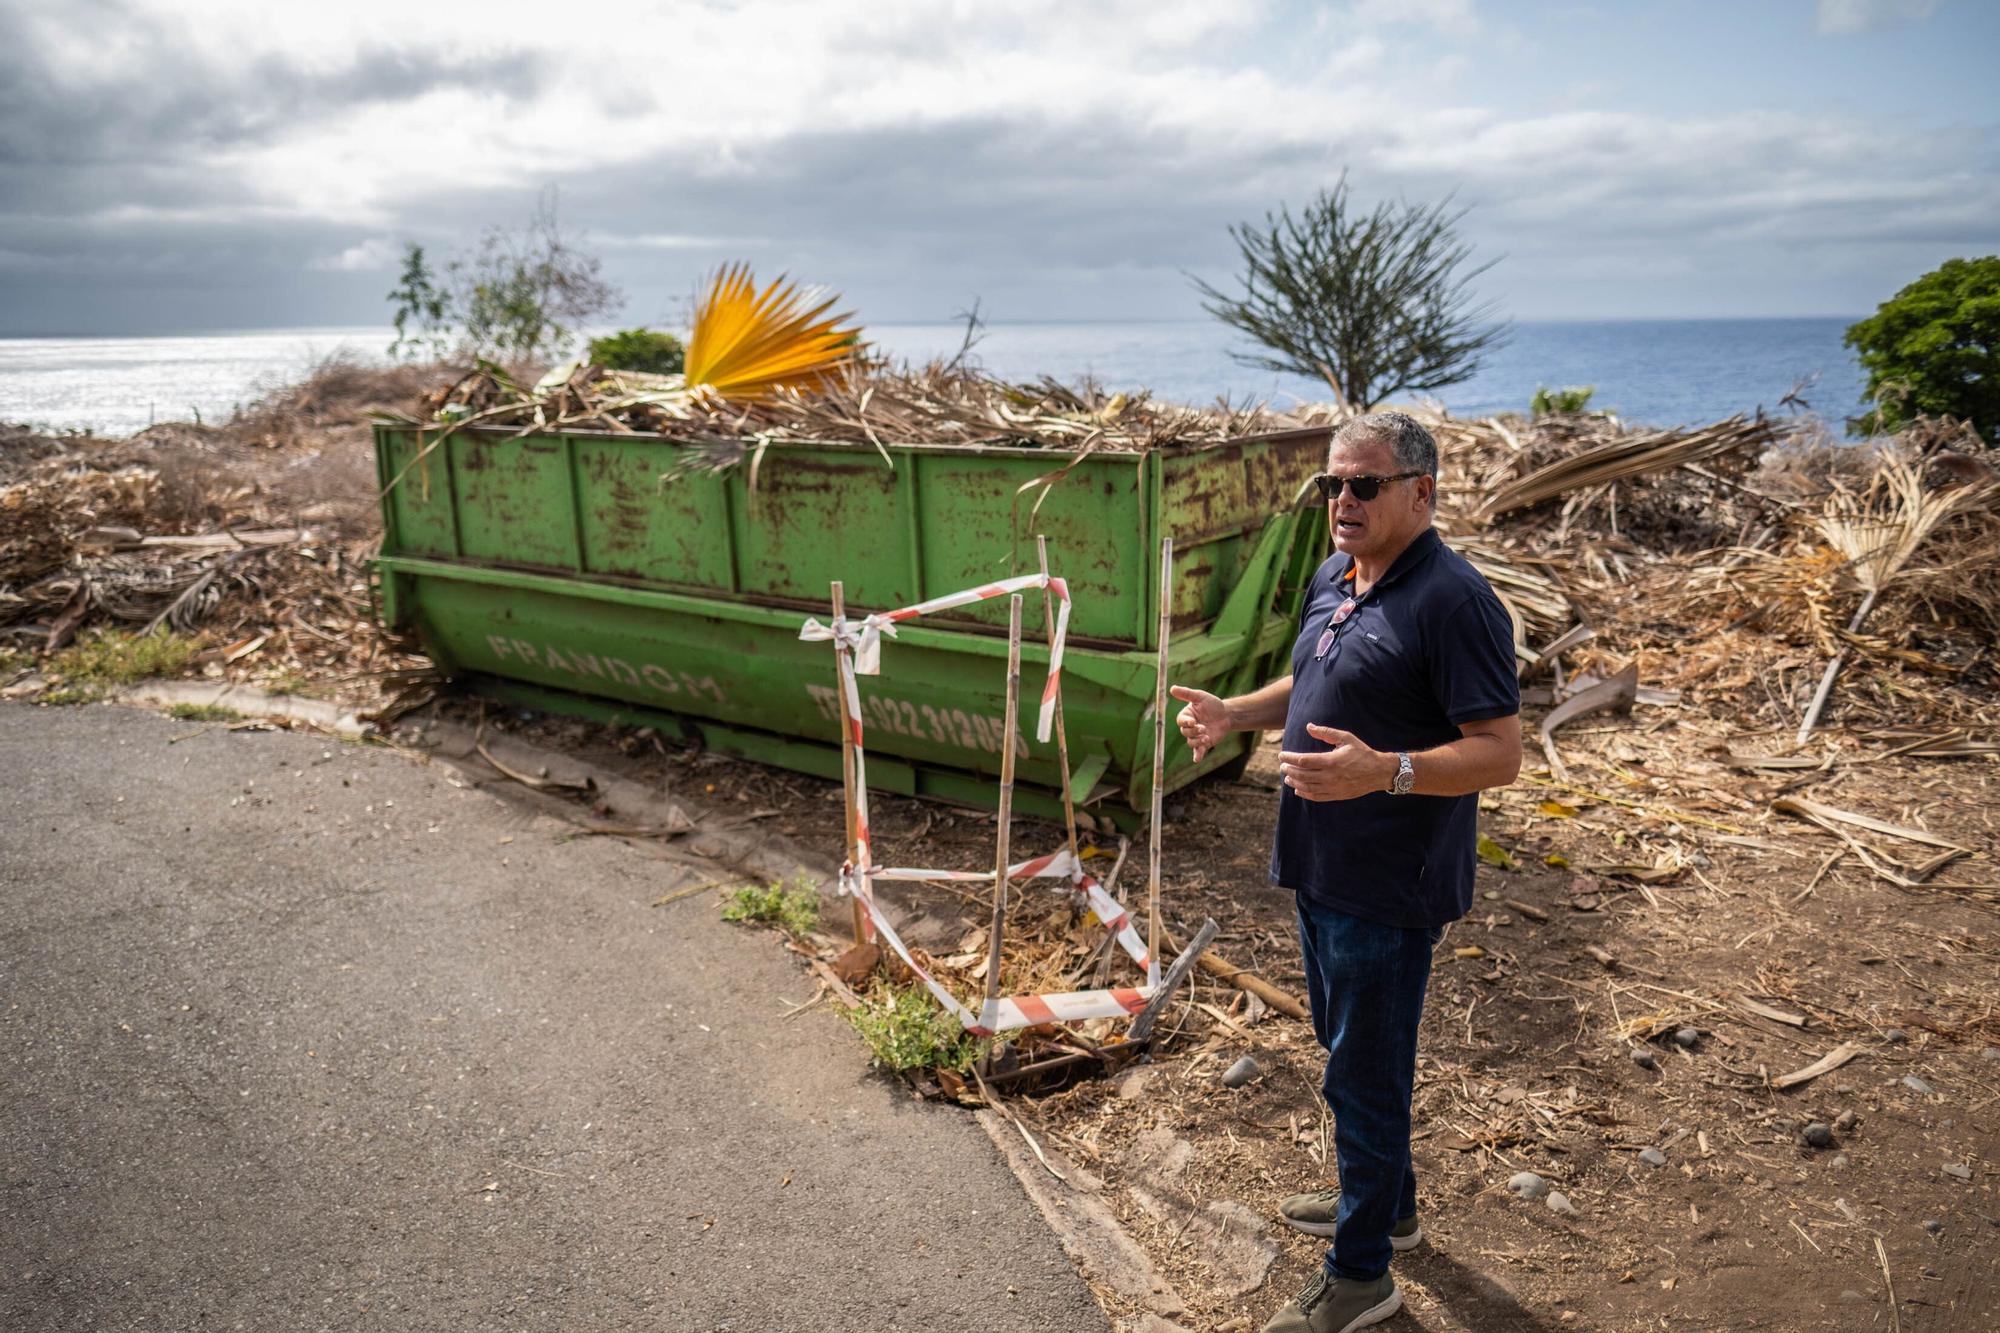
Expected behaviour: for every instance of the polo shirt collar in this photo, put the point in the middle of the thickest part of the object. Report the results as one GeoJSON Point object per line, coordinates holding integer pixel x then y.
{"type": "Point", "coordinates": [1419, 550]}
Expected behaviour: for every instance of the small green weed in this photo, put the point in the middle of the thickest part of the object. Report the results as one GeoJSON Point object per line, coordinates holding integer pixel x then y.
{"type": "Point", "coordinates": [93, 666]}
{"type": "Point", "coordinates": [204, 713]}
{"type": "Point", "coordinates": [794, 910]}
{"type": "Point", "coordinates": [905, 1029]}
{"type": "Point", "coordinates": [1552, 402]}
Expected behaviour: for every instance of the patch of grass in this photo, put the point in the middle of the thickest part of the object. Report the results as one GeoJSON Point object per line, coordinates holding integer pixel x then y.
{"type": "Point", "coordinates": [795, 910]}
{"type": "Point", "coordinates": [905, 1029]}
{"type": "Point", "coordinates": [204, 713]}
{"type": "Point", "coordinates": [93, 666]}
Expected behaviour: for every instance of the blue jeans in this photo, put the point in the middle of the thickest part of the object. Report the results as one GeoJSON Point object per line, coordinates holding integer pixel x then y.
{"type": "Point", "coordinates": [1366, 982]}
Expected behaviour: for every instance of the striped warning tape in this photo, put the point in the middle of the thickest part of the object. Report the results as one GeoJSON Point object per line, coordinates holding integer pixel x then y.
{"type": "Point", "coordinates": [864, 637]}
{"type": "Point", "coordinates": [859, 653]}
{"type": "Point", "coordinates": [1058, 864]}
{"type": "Point", "coordinates": [1012, 1011]}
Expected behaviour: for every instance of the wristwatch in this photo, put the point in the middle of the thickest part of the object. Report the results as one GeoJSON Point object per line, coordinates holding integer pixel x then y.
{"type": "Point", "coordinates": [1406, 777]}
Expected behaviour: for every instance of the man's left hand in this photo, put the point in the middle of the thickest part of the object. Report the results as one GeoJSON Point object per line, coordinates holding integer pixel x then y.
{"type": "Point", "coordinates": [1348, 770]}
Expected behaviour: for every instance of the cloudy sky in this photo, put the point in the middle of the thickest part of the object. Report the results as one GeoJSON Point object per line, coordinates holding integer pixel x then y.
{"type": "Point", "coordinates": [181, 165]}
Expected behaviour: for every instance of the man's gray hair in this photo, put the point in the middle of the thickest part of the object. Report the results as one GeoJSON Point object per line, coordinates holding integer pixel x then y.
{"type": "Point", "coordinates": [1406, 437]}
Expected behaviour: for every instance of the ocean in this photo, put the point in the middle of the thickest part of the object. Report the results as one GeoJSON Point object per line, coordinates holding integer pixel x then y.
{"type": "Point", "coordinates": [1654, 372]}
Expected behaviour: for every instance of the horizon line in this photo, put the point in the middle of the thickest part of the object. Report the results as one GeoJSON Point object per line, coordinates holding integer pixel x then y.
{"type": "Point", "coordinates": [1071, 321]}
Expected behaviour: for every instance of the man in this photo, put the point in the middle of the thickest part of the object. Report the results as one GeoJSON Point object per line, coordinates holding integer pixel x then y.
{"type": "Point", "coordinates": [1401, 706]}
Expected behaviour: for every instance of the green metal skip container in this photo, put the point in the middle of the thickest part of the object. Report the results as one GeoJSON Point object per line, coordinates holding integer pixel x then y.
{"type": "Point", "coordinates": [571, 572]}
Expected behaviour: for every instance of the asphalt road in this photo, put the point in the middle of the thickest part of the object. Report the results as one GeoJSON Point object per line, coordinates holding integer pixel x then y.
{"type": "Point", "coordinates": [299, 1035]}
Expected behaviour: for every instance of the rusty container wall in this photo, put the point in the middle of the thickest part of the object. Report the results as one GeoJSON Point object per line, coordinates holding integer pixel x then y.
{"type": "Point", "coordinates": [577, 571]}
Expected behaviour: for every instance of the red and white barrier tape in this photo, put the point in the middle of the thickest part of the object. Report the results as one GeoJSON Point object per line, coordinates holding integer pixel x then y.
{"type": "Point", "coordinates": [860, 654]}
{"type": "Point", "coordinates": [864, 637]}
{"type": "Point", "coordinates": [1016, 1011]}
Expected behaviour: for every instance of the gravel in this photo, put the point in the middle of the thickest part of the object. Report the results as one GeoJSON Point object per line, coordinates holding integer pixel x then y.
{"type": "Point", "coordinates": [1653, 1157]}
{"type": "Point", "coordinates": [1818, 1135]}
{"type": "Point", "coordinates": [1643, 1057]}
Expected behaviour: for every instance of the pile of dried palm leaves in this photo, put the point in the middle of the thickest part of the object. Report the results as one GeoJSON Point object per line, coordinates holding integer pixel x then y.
{"type": "Point", "coordinates": [210, 533]}
{"type": "Point", "coordinates": [862, 401]}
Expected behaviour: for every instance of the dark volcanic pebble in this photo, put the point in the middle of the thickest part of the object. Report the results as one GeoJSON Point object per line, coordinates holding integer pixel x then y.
{"type": "Point", "coordinates": [1241, 1072]}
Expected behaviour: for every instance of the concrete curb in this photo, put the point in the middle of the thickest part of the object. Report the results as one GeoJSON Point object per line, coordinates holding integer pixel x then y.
{"type": "Point", "coordinates": [1088, 1231]}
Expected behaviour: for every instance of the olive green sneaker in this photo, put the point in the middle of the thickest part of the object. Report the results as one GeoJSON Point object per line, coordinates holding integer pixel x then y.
{"type": "Point", "coordinates": [1314, 1214]}
{"type": "Point", "coordinates": [1337, 1305]}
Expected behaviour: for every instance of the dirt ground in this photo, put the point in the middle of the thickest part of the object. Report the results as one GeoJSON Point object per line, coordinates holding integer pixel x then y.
{"type": "Point", "coordinates": [1701, 898]}
{"type": "Point", "coordinates": [1697, 891]}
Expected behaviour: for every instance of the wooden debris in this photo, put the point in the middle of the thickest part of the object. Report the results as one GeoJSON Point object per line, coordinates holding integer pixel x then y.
{"type": "Point", "coordinates": [1833, 821]}
{"type": "Point", "coordinates": [539, 782]}
{"type": "Point", "coordinates": [1826, 1064]}
{"type": "Point", "coordinates": [1245, 980]}
{"type": "Point", "coordinates": [1618, 692]}
{"type": "Point", "coordinates": [1762, 1010]}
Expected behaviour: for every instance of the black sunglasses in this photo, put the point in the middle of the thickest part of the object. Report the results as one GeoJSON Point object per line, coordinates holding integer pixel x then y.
{"type": "Point", "coordinates": [1365, 488]}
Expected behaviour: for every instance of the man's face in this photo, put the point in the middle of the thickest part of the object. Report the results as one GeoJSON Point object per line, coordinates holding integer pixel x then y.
{"type": "Point", "coordinates": [1382, 527]}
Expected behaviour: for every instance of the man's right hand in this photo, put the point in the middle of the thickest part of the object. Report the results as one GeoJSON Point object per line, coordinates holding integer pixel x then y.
{"type": "Point", "coordinates": [1205, 720]}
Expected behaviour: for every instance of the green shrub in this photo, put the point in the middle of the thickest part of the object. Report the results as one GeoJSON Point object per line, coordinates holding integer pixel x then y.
{"type": "Point", "coordinates": [647, 350]}
{"type": "Point", "coordinates": [1554, 402]}
{"type": "Point", "coordinates": [1933, 349]}
{"type": "Point", "coordinates": [93, 666]}
{"type": "Point", "coordinates": [905, 1029]}
{"type": "Point", "coordinates": [794, 910]}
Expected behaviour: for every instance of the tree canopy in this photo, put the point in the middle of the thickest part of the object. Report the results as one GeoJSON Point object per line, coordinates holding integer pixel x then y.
{"type": "Point", "coordinates": [1933, 349]}
{"type": "Point", "coordinates": [1373, 303]}
{"type": "Point", "coordinates": [523, 295]}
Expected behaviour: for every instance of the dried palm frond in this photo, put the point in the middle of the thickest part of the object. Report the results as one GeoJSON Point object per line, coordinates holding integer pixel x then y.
{"type": "Point", "coordinates": [748, 344]}
{"type": "Point", "coordinates": [1879, 529]}
{"type": "Point", "coordinates": [1630, 455]}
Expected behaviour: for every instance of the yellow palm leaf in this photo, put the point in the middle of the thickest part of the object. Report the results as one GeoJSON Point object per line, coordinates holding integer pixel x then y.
{"type": "Point", "coordinates": [749, 344]}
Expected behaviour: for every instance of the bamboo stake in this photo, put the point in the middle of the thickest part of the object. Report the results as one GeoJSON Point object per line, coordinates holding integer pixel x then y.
{"type": "Point", "coordinates": [1006, 814]}
{"type": "Point", "coordinates": [1825, 690]}
{"type": "Point", "coordinates": [843, 662]}
{"type": "Point", "coordinates": [1159, 762]}
{"type": "Point", "coordinates": [1062, 737]}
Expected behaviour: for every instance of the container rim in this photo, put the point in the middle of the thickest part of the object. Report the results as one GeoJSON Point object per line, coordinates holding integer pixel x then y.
{"type": "Point", "coordinates": [975, 450]}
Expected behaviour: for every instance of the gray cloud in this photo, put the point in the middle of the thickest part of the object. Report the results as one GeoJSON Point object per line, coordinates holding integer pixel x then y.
{"type": "Point", "coordinates": [50, 124]}
{"type": "Point", "coordinates": [1845, 18]}
{"type": "Point", "coordinates": [182, 187]}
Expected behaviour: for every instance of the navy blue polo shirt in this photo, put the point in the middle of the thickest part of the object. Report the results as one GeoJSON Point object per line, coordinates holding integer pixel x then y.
{"type": "Point", "coordinates": [1427, 648]}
